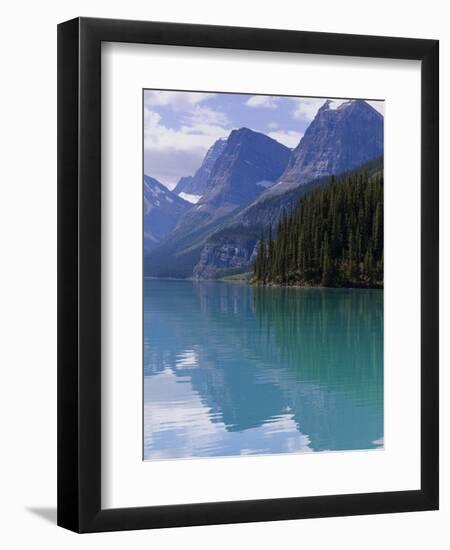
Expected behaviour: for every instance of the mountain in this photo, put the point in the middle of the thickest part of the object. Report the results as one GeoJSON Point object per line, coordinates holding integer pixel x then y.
{"type": "Point", "coordinates": [249, 163]}
{"type": "Point", "coordinates": [198, 183]}
{"type": "Point", "coordinates": [255, 179]}
{"type": "Point", "coordinates": [162, 210]}
{"type": "Point", "coordinates": [232, 248]}
{"type": "Point", "coordinates": [336, 141]}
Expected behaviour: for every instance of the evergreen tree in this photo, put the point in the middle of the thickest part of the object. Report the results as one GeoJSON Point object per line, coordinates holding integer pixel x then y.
{"type": "Point", "coordinates": [333, 237]}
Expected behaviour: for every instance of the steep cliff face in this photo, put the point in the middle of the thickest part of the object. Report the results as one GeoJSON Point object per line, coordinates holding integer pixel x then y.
{"type": "Point", "coordinates": [162, 210]}
{"type": "Point", "coordinates": [232, 249]}
{"type": "Point", "coordinates": [226, 253]}
{"type": "Point", "coordinates": [336, 141]}
{"type": "Point", "coordinates": [198, 183]}
{"type": "Point", "coordinates": [249, 161]}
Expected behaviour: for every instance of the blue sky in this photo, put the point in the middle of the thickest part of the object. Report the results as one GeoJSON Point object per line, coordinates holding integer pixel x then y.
{"type": "Point", "coordinates": [179, 127]}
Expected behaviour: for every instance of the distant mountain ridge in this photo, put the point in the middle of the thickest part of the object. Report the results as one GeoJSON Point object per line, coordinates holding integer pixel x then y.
{"type": "Point", "coordinates": [162, 210]}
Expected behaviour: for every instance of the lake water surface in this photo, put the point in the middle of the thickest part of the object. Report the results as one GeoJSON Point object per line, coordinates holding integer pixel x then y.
{"type": "Point", "coordinates": [230, 369]}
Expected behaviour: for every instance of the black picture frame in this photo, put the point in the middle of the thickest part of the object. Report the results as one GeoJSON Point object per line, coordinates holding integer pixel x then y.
{"type": "Point", "coordinates": [79, 274]}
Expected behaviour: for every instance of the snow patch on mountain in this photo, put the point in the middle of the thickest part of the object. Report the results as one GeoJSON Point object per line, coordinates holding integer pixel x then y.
{"type": "Point", "coordinates": [193, 199]}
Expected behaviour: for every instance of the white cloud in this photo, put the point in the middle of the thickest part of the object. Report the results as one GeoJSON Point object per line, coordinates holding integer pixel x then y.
{"type": "Point", "coordinates": [176, 100]}
{"type": "Point", "coordinates": [306, 108]}
{"type": "Point", "coordinates": [204, 116]}
{"type": "Point", "coordinates": [290, 138]}
{"type": "Point", "coordinates": [151, 119]}
{"type": "Point", "coordinates": [188, 137]}
{"type": "Point", "coordinates": [170, 154]}
{"type": "Point", "coordinates": [262, 101]}
{"type": "Point", "coordinates": [273, 125]}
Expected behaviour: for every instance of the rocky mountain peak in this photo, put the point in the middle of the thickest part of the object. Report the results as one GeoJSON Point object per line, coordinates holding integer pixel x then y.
{"type": "Point", "coordinates": [248, 159]}
{"type": "Point", "coordinates": [162, 210]}
{"type": "Point", "coordinates": [337, 140]}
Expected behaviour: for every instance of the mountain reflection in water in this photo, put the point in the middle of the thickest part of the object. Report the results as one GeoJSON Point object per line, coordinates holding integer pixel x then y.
{"type": "Point", "coordinates": [230, 369]}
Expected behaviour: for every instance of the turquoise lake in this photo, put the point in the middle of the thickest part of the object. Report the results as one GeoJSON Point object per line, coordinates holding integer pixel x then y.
{"type": "Point", "coordinates": [231, 369]}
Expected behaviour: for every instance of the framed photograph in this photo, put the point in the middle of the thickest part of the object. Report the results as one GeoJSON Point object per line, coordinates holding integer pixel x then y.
{"type": "Point", "coordinates": [248, 275]}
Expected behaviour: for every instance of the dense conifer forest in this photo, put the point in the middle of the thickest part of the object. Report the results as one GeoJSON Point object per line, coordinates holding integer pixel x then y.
{"type": "Point", "coordinates": [333, 237]}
